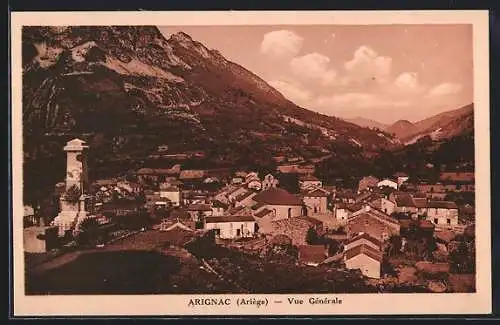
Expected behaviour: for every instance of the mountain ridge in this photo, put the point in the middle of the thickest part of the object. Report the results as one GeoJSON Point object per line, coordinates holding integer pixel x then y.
{"type": "Point", "coordinates": [128, 90]}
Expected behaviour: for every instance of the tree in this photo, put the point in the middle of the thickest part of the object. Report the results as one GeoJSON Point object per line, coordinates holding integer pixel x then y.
{"type": "Point", "coordinates": [89, 233]}
{"type": "Point", "coordinates": [394, 246]}
{"type": "Point", "coordinates": [311, 236]}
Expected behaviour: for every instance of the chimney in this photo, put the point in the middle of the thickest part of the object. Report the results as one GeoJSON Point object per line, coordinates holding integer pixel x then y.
{"type": "Point", "coordinates": [367, 207]}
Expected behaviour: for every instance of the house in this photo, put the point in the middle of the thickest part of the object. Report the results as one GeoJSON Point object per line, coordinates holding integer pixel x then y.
{"type": "Point", "coordinates": [237, 180]}
{"type": "Point", "coordinates": [250, 176]}
{"type": "Point", "coordinates": [365, 258]}
{"type": "Point", "coordinates": [231, 227]}
{"type": "Point", "coordinates": [173, 194]}
{"type": "Point", "coordinates": [269, 181]}
{"type": "Point", "coordinates": [346, 196]}
{"type": "Point", "coordinates": [218, 208]}
{"type": "Point", "coordinates": [341, 212]}
{"type": "Point", "coordinates": [233, 194]}
{"type": "Point", "coordinates": [388, 182]}
{"type": "Point", "coordinates": [316, 201]}
{"type": "Point", "coordinates": [367, 182]}
{"type": "Point", "coordinates": [197, 210]}
{"type": "Point", "coordinates": [383, 204]}
{"type": "Point", "coordinates": [401, 178]}
{"type": "Point", "coordinates": [283, 204]}
{"type": "Point", "coordinates": [120, 208]}
{"type": "Point", "coordinates": [403, 203]}
{"type": "Point", "coordinates": [294, 228]}
{"type": "Point", "coordinates": [312, 255]}
{"type": "Point", "coordinates": [406, 226]}
{"type": "Point", "coordinates": [191, 175]}
{"type": "Point", "coordinates": [245, 199]}
{"type": "Point", "coordinates": [457, 177]}
{"type": "Point", "coordinates": [306, 181]}
{"type": "Point", "coordinates": [254, 184]}
{"type": "Point", "coordinates": [442, 213]}
{"type": "Point", "coordinates": [29, 216]}
{"type": "Point", "coordinates": [375, 223]}
{"type": "Point", "coordinates": [168, 224]}
{"type": "Point", "coordinates": [363, 239]}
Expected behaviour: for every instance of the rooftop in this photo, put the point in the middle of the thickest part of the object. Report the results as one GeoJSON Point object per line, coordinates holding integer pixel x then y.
{"type": "Point", "coordinates": [277, 196]}
{"type": "Point", "coordinates": [363, 249]}
{"type": "Point", "coordinates": [364, 236]}
{"type": "Point", "coordinates": [231, 218]}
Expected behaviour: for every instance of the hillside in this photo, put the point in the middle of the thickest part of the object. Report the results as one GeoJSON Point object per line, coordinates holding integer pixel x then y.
{"type": "Point", "coordinates": [402, 129]}
{"type": "Point", "coordinates": [441, 126]}
{"type": "Point", "coordinates": [128, 90]}
{"type": "Point", "coordinates": [368, 123]}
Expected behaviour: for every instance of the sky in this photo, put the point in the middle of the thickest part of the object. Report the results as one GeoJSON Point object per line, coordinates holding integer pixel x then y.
{"type": "Point", "coordinates": [380, 72]}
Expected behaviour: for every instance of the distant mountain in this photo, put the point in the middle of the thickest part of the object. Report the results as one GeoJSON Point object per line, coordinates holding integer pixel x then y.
{"type": "Point", "coordinates": [401, 129]}
{"type": "Point", "coordinates": [445, 125]}
{"type": "Point", "coordinates": [441, 126]}
{"type": "Point", "coordinates": [368, 123]}
{"type": "Point", "coordinates": [128, 89]}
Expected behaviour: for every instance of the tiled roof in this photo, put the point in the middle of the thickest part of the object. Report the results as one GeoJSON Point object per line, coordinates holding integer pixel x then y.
{"type": "Point", "coordinates": [258, 206]}
{"type": "Point", "coordinates": [363, 249]}
{"type": "Point", "coordinates": [231, 218]}
{"type": "Point", "coordinates": [442, 204]}
{"type": "Point", "coordinates": [404, 201]}
{"type": "Point", "coordinates": [364, 236]}
{"type": "Point", "coordinates": [199, 207]}
{"type": "Point", "coordinates": [243, 196]}
{"type": "Point", "coordinates": [191, 174]}
{"type": "Point", "coordinates": [219, 204]}
{"type": "Point", "coordinates": [277, 196]}
{"type": "Point", "coordinates": [263, 213]}
{"type": "Point", "coordinates": [305, 178]}
{"type": "Point", "coordinates": [316, 193]}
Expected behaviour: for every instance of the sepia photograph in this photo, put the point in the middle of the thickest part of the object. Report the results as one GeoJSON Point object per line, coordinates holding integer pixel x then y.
{"type": "Point", "coordinates": [250, 159]}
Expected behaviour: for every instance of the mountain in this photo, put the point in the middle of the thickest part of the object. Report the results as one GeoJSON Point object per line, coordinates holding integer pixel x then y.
{"type": "Point", "coordinates": [128, 90]}
{"type": "Point", "coordinates": [441, 126]}
{"type": "Point", "coordinates": [368, 123]}
{"type": "Point", "coordinates": [401, 129]}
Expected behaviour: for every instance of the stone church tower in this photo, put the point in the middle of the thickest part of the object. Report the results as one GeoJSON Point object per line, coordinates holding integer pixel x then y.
{"type": "Point", "coordinates": [73, 202]}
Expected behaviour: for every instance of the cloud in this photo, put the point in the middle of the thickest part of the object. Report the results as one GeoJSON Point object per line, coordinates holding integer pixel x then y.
{"type": "Point", "coordinates": [353, 102]}
{"type": "Point", "coordinates": [313, 66]}
{"type": "Point", "coordinates": [292, 91]}
{"type": "Point", "coordinates": [446, 88]}
{"type": "Point", "coordinates": [281, 43]}
{"type": "Point", "coordinates": [366, 64]}
{"type": "Point", "coordinates": [407, 83]}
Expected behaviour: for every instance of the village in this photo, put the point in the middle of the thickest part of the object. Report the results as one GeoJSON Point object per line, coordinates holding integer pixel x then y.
{"type": "Point", "coordinates": [389, 230]}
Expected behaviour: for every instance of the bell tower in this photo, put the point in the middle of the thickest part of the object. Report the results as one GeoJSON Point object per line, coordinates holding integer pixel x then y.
{"type": "Point", "coordinates": [73, 201]}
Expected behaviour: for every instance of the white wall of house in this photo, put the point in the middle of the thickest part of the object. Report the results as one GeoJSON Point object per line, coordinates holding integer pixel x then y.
{"type": "Point", "coordinates": [368, 266]}
{"type": "Point", "coordinates": [341, 214]}
{"type": "Point", "coordinates": [216, 211]}
{"type": "Point", "coordinates": [285, 211]}
{"type": "Point", "coordinates": [443, 216]}
{"type": "Point", "coordinates": [387, 182]}
{"type": "Point", "coordinates": [402, 179]}
{"type": "Point", "coordinates": [387, 206]}
{"type": "Point", "coordinates": [254, 184]}
{"type": "Point", "coordinates": [173, 196]}
{"type": "Point", "coordinates": [316, 205]}
{"type": "Point", "coordinates": [234, 229]}
{"type": "Point", "coordinates": [269, 182]}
